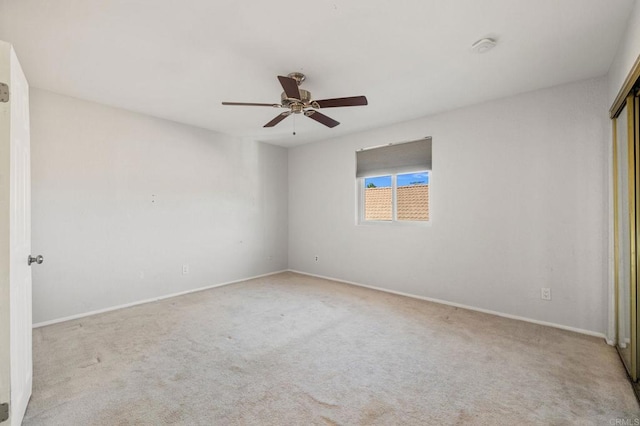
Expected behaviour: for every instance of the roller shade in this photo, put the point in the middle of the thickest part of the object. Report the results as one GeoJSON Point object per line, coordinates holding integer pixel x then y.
{"type": "Point", "coordinates": [397, 158]}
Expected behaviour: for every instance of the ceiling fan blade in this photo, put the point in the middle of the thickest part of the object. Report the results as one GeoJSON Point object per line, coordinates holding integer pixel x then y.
{"type": "Point", "coordinates": [250, 104]}
{"type": "Point", "coordinates": [342, 102]}
{"type": "Point", "coordinates": [321, 118]}
{"type": "Point", "coordinates": [278, 119]}
{"type": "Point", "coordinates": [290, 86]}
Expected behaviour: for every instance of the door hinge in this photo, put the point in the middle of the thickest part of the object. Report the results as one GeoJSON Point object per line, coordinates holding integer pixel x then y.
{"type": "Point", "coordinates": [4, 412]}
{"type": "Point", "coordinates": [4, 92]}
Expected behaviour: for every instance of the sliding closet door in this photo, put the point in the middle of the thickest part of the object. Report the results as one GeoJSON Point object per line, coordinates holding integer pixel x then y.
{"type": "Point", "coordinates": [625, 227]}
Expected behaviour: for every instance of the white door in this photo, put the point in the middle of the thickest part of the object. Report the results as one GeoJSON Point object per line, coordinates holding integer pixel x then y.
{"type": "Point", "coordinates": [15, 141]}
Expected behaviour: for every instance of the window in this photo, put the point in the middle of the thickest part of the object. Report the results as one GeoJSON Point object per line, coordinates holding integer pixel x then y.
{"type": "Point", "coordinates": [400, 197]}
{"type": "Point", "coordinates": [393, 182]}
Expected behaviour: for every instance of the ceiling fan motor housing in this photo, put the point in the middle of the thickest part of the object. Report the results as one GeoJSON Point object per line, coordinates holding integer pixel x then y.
{"type": "Point", "coordinates": [305, 98]}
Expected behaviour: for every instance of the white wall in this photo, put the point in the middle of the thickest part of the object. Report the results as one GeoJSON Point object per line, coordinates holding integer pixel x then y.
{"type": "Point", "coordinates": [627, 53]}
{"type": "Point", "coordinates": [121, 201]}
{"type": "Point", "coordinates": [518, 202]}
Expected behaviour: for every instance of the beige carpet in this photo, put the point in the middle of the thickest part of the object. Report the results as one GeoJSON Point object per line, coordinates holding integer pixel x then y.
{"type": "Point", "coordinates": [295, 350]}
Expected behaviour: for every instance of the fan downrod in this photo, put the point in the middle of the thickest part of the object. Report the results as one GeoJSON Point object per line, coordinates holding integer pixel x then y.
{"type": "Point", "coordinates": [298, 77]}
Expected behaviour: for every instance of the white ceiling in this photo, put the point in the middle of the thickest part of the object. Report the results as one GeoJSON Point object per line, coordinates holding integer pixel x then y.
{"type": "Point", "coordinates": [179, 60]}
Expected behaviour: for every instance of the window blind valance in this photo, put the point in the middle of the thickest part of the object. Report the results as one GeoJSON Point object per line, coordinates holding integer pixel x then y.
{"type": "Point", "coordinates": [397, 158]}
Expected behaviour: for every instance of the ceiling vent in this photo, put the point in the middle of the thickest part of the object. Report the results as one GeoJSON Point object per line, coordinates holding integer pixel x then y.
{"type": "Point", "coordinates": [483, 45]}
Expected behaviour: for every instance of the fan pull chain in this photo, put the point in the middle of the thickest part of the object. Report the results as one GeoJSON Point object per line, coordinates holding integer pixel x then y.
{"type": "Point", "coordinates": [294, 124]}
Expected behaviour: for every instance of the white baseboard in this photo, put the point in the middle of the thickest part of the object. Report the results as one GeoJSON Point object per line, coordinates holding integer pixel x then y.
{"type": "Point", "coordinates": [459, 305]}
{"type": "Point", "coordinates": [154, 299]}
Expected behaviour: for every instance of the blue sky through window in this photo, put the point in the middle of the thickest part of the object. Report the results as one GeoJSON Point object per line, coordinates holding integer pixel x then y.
{"type": "Point", "coordinates": [403, 180]}
{"type": "Point", "coordinates": [378, 182]}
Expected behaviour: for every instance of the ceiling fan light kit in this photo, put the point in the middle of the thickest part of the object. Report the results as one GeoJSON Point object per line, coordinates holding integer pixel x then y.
{"type": "Point", "coordinates": [299, 101]}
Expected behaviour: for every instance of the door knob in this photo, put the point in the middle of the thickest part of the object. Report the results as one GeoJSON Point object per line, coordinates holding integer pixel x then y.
{"type": "Point", "coordinates": [38, 259]}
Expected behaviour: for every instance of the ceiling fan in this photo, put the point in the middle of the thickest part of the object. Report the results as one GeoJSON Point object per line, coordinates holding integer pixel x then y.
{"type": "Point", "coordinates": [299, 101]}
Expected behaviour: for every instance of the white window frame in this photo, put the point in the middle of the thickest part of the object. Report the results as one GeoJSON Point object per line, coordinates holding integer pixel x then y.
{"type": "Point", "coordinates": [360, 219]}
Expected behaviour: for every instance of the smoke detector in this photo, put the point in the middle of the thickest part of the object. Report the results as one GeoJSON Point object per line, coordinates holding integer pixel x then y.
{"type": "Point", "coordinates": [483, 45]}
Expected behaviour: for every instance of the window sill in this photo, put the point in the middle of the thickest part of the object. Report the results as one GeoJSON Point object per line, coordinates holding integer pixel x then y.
{"type": "Point", "coordinates": [420, 224]}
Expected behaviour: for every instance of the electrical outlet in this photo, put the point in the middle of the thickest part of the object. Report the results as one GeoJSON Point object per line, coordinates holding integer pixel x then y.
{"type": "Point", "coordinates": [317, 258]}
{"type": "Point", "coordinates": [185, 269]}
{"type": "Point", "coordinates": [545, 293]}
